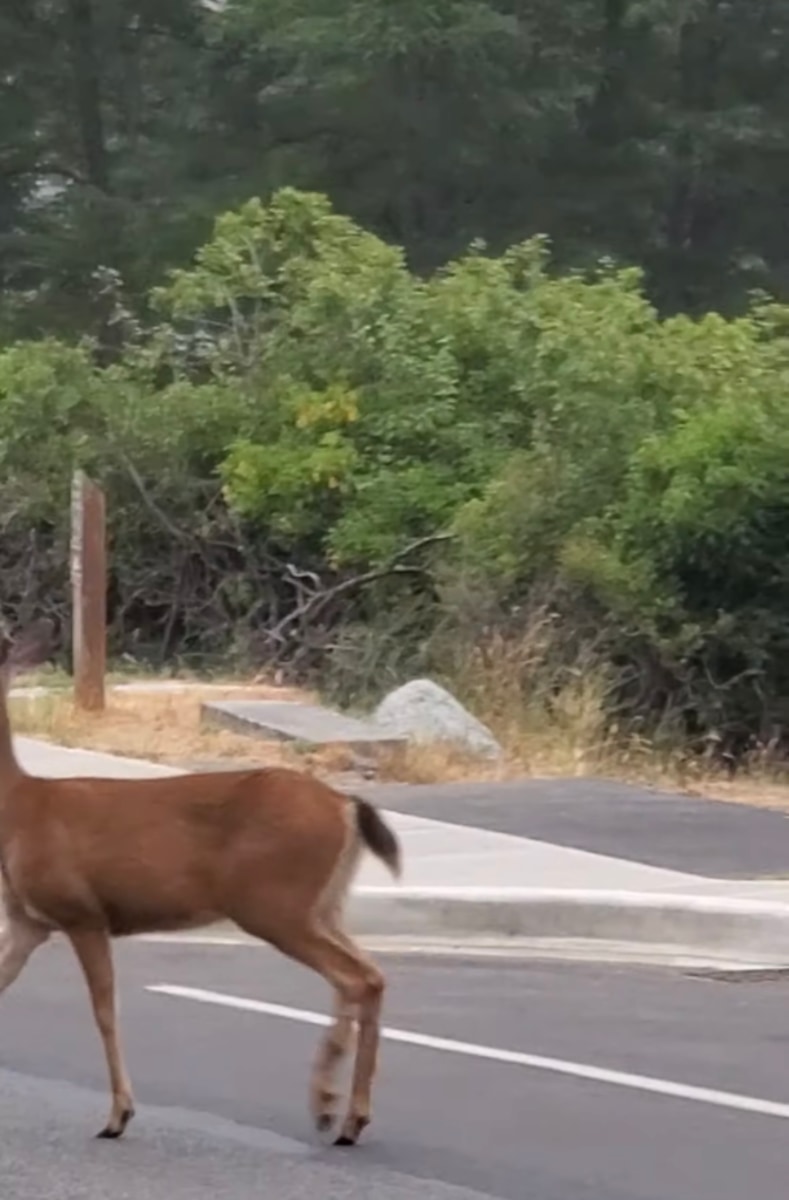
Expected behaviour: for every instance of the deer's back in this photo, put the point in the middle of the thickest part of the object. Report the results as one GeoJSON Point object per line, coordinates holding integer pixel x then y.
{"type": "Point", "coordinates": [137, 855]}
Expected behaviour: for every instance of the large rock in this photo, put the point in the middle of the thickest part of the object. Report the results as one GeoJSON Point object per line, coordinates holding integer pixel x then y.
{"type": "Point", "coordinates": [424, 712]}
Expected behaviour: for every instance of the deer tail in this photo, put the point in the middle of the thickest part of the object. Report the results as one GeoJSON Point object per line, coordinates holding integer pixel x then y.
{"type": "Point", "coordinates": [377, 836]}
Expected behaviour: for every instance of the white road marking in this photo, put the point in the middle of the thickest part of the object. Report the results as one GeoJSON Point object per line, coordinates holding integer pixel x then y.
{"type": "Point", "coordinates": [203, 939]}
{"type": "Point", "coordinates": [538, 1062]}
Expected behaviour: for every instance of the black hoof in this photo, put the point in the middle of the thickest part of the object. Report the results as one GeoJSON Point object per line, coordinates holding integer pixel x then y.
{"type": "Point", "coordinates": [352, 1130]}
{"type": "Point", "coordinates": [324, 1122]}
{"type": "Point", "coordinates": [111, 1134]}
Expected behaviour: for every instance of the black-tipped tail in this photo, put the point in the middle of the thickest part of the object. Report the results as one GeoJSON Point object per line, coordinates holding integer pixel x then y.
{"type": "Point", "coordinates": [376, 835]}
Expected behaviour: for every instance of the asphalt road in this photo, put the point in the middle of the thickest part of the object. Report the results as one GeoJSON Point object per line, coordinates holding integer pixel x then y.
{"type": "Point", "coordinates": [221, 1091]}
{"type": "Point", "coordinates": [681, 833]}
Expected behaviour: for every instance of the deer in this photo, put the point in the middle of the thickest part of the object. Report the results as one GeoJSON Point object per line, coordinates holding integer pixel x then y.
{"type": "Point", "coordinates": [273, 850]}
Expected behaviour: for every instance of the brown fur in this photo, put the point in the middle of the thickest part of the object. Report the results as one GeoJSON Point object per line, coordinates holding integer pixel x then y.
{"type": "Point", "coordinates": [273, 850]}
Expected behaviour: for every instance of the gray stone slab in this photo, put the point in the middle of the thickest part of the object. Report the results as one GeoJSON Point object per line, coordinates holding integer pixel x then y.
{"type": "Point", "coordinates": [288, 720]}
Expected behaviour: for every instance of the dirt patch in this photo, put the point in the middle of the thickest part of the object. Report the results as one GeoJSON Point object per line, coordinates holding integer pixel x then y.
{"type": "Point", "coordinates": [751, 791]}
{"type": "Point", "coordinates": [442, 763]}
{"type": "Point", "coordinates": [151, 720]}
{"type": "Point", "coordinates": [161, 722]}
{"type": "Point", "coordinates": [446, 764]}
{"type": "Point", "coordinates": [165, 726]}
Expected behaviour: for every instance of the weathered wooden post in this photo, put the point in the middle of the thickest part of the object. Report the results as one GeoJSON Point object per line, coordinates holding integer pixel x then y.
{"type": "Point", "coordinates": [88, 591]}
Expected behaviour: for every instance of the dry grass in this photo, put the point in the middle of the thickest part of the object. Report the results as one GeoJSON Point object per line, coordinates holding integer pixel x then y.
{"type": "Point", "coordinates": [552, 722]}
{"type": "Point", "coordinates": [753, 789]}
{"type": "Point", "coordinates": [544, 753]}
{"type": "Point", "coordinates": [162, 726]}
{"type": "Point", "coordinates": [569, 740]}
{"type": "Point", "coordinates": [561, 731]}
{"type": "Point", "coordinates": [166, 727]}
{"type": "Point", "coordinates": [441, 762]}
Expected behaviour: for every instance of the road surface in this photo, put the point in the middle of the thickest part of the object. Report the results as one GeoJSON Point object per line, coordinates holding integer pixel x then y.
{"type": "Point", "coordinates": [519, 1081]}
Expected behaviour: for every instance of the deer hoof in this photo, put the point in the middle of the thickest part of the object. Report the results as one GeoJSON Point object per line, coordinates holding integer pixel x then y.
{"type": "Point", "coordinates": [113, 1130]}
{"type": "Point", "coordinates": [351, 1131]}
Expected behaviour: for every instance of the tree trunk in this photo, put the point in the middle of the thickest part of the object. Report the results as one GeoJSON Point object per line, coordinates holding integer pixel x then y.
{"type": "Point", "coordinates": [608, 111]}
{"type": "Point", "coordinates": [87, 90]}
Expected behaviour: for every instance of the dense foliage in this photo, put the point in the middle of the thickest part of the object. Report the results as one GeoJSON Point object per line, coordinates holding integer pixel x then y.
{"type": "Point", "coordinates": [410, 388]}
{"type": "Point", "coordinates": [311, 434]}
{"type": "Point", "coordinates": [654, 131]}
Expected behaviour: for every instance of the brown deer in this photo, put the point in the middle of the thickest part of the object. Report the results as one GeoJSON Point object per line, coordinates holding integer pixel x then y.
{"type": "Point", "coordinates": [272, 850]}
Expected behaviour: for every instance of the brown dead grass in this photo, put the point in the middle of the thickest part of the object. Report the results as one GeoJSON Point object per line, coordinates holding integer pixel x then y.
{"type": "Point", "coordinates": [536, 755]}
{"type": "Point", "coordinates": [572, 739]}
{"type": "Point", "coordinates": [568, 734]}
{"type": "Point", "coordinates": [165, 727]}
{"type": "Point", "coordinates": [445, 764]}
{"type": "Point", "coordinates": [440, 762]}
{"type": "Point", "coordinates": [750, 789]}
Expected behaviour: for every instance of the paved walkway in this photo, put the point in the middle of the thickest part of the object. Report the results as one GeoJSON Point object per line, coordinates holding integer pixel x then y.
{"type": "Point", "coordinates": [57, 762]}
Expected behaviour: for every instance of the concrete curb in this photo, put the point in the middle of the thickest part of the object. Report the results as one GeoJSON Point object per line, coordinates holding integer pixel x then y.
{"type": "Point", "coordinates": [741, 929]}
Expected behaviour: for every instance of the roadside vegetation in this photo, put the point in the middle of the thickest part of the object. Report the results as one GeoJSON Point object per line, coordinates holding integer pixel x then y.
{"type": "Point", "coordinates": [354, 434]}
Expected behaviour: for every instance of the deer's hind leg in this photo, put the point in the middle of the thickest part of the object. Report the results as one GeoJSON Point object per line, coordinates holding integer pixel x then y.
{"type": "Point", "coordinates": [333, 1049]}
{"type": "Point", "coordinates": [358, 988]}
